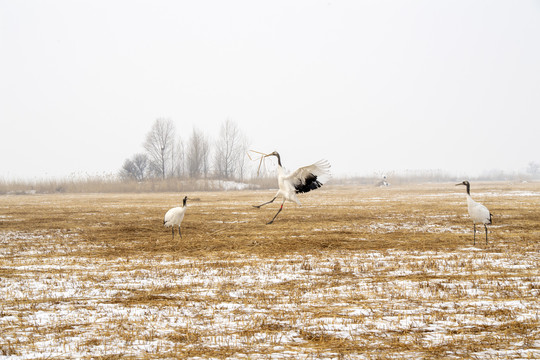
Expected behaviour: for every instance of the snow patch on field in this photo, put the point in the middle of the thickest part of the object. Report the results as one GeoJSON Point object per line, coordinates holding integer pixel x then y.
{"type": "Point", "coordinates": [74, 306]}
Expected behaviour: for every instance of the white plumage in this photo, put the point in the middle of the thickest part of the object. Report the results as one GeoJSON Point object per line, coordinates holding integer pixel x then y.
{"type": "Point", "coordinates": [174, 217]}
{"type": "Point", "coordinates": [301, 180]}
{"type": "Point", "coordinates": [478, 212]}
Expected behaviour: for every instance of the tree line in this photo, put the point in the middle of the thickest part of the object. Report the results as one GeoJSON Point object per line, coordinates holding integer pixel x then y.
{"type": "Point", "coordinates": [168, 155]}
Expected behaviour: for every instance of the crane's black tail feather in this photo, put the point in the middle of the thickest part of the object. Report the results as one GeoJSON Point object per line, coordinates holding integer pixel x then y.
{"type": "Point", "coordinates": [311, 183]}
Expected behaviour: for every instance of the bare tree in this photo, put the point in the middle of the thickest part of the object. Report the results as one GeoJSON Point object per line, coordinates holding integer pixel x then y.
{"type": "Point", "coordinates": [179, 159]}
{"type": "Point", "coordinates": [242, 163]}
{"type": "Point", "coordinates": [224, 159]}
{"type": "Point", "coordinates": [140, 161]}
{"type": "Point", "coordinates": [160, 144]}
{"type": "Point", "coordinates": [128, 170]}
{"type": "Point", "coordinates": [205, 155]}
{"type": "Point", "coordinates": [135, 168]}
{"type": "Point", "coordinates": [231, 147]}
{"type": "Point", "coordinates": [533, 167]}
{"type": "Point", "coordinates": [198, 150]}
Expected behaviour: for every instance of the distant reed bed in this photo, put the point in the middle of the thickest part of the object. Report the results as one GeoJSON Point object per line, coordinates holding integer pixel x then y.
{"type": "Point", "coordinates": [108, 184]}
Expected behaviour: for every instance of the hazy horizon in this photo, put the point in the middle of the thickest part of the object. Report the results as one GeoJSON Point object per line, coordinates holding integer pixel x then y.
{"type": "Point", "coordinates": [371, 86]}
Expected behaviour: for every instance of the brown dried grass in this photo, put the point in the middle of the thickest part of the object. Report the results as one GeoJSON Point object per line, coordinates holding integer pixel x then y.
{"type": "Point", "coordinates": [366, 272]}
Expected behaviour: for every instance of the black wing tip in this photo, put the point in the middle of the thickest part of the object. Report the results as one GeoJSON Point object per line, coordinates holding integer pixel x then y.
{"type": "Point", "coordinates": [311, 183]}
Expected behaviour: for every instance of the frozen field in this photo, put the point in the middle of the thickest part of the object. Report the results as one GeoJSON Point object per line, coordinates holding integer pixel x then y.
{"type": "Point", "coordinates": [356, 272]}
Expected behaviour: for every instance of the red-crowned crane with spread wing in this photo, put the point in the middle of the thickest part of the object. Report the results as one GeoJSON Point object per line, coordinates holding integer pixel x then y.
{"type": "Point", "coordinates": [301, 180]}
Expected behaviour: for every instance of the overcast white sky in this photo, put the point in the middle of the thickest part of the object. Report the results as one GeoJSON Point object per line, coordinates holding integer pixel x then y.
{"type": "Point", "coordinates": [368, 85]}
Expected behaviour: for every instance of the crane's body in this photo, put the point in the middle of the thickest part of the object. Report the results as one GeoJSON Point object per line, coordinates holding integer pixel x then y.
{"type": "Point", "coordinates": [479, 213]}
{"type": "Point", "coordinates": [301, 180]}
{"type": "Point", "coordinates": [174, 217]}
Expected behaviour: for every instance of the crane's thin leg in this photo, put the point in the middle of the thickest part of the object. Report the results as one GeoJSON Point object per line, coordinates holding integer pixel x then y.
{"type": "Point", "coordinates": [485, 227]}
{"type": "Point", "coordinates": [274, 218]}
{"type": "Point", "coordinates": [172, 227]}
{"type": "Point", "coordinates": [474, 234]}
{"type": "Point", "coordinates": [266, 203]}
{"type": "Point", "coordinates": [179, 232]}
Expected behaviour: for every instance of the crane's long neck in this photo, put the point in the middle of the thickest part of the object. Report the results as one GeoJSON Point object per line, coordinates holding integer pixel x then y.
{"type": "Point", "coordinates": [184, 202]}
{"type": "Point", "coordinates": [278, 160]}
{"type": "Point", "coordinates": [470, 201]}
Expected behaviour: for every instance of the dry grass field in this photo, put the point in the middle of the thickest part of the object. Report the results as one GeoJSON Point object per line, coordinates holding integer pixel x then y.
{"type": "Point", "coordinates": [355, 273]}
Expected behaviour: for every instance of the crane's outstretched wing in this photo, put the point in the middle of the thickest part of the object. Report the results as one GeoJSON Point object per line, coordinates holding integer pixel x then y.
{"type": "Point", "coordinates": [310, 177]}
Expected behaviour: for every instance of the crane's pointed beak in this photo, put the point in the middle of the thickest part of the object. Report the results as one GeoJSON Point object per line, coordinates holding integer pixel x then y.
{"type": "Point", "coordinates": [273, 153]}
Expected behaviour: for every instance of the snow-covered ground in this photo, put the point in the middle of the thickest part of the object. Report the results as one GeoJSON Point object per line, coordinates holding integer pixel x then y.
{"type": "Point", "coordinates": [408, 302]}
{"type": "Point", "coordinates": [370, 273]}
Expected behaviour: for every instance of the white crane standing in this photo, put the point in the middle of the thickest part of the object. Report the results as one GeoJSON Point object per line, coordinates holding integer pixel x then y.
{"type": "Point", "coordinates": [174, 217]}
{"type": "Point", "coordinates": [302, 180]}
{"type": "Point", "coordinates": [478, 212]}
